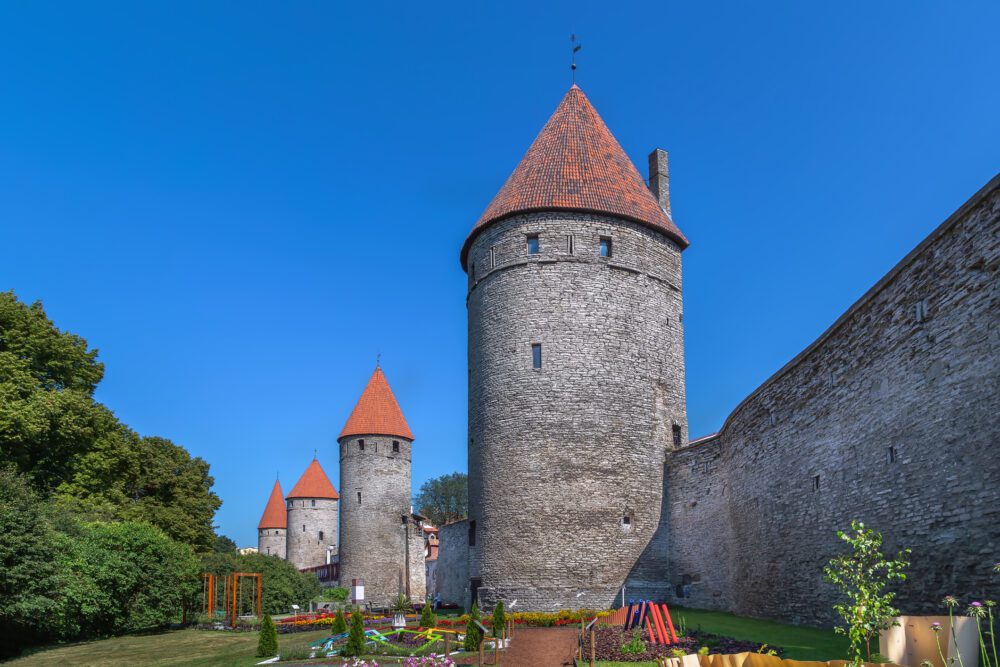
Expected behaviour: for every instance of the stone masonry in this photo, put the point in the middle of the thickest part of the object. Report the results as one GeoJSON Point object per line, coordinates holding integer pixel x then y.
{"type": "Point", "coordinates": [312, 528]}
{"type": "Point", "coordinates": [271, 542]}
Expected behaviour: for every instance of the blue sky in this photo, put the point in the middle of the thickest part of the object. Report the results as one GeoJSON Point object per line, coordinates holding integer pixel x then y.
{"type": "Point", "coordinates": [241, 204]}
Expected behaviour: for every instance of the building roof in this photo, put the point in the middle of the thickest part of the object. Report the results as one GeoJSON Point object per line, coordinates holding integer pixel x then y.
{"type": "Point", "coordinates": [314, 484]}
{"type": "Point", "coordinates": [377, 412]}
{"type": "Point", "coordinates": [576, 164]}
{"type": "Point", "coordinates": [274, 512]}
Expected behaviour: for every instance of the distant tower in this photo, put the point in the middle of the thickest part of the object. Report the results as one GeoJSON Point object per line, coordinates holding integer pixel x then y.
{"type": "Point", "coordinates": [576, 372]}
{"type": "Point", "coordinates": [312, 518]}
{"type": "Point", "coordinates": [271, 529]}
{"type": "Point", "coordinates": [378, 530]}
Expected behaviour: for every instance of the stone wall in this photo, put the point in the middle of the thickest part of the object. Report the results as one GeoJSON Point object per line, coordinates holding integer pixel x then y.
{"type": "Point", "coordinates": [271, 542]}
{"type": "Point", "coordinates": [452, 570]}
{"type": "Point", "coordinates": [892, 416]}
{"type": "Point", "coordinates": [566, 461]}
{"type": "Point", "coordinates": [373, 547]}
{"type": "Point", "coordinates": [312, 527]}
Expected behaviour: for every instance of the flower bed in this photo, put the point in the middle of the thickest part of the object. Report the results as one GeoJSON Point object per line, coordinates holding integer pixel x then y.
{"type": "Point", "coordinates": [609, 641]}
{"type": "Point", "coordinates": [539, 619]}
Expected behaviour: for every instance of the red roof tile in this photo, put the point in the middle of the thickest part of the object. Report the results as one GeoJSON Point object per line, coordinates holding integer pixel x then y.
{"type": "Point", "coordinates": [274, 512]}
{"type": "Point", "coordinates": [576, 164]}
{"type": "Point", "coordinates": [314, 484]}
{"type": "Point", "coordinates": [377, 412]}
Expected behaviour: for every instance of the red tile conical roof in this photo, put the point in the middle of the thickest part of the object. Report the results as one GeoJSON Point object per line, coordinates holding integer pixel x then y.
{"type": "Point", "coordinates": [576, 164]}
{"type": "Point", "coordinates": [314, 484]}
{"type": "Point", "coordinates": [377, 412]}
{"type": "Point", "coordinates": [274, 513]}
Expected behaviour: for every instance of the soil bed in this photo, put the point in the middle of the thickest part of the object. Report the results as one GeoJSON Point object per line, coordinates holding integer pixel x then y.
{"type": "Point", "coordinates": [609, 642]}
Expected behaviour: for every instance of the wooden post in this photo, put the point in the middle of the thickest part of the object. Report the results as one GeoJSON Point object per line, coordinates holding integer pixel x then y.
{"type": "Point", "coordinates": [481, 642]}
{"type": "Point", "coordinates": [258, 595]}
{"type": "Point", "coordinates": [496, 650]}
{"type": "Point", "coordinates": [593, 648]}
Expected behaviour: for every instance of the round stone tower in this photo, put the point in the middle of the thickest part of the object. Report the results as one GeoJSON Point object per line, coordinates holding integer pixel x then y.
{"type": "Point", "coordinates": [381, 542]}
{"type": "Point", "coordinates": [312, 519]}
{"type": "Point", "coordinates": [271, 528]}
{"type": "Point", "coordinates": [576, 372]}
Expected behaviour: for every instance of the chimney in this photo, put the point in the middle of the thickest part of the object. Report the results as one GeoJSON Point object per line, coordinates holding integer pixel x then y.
{"type": "Point", "coordinates": [659, 178]}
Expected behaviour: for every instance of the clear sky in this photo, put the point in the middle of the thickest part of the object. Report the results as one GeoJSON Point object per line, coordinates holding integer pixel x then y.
{"type": "Point", "coordinates": [241, 204]}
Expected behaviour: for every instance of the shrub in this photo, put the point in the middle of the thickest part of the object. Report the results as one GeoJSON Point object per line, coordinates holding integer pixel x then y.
{"type": "Point", "coordinates": [339, 624]}
{"type": "Point", "coordinates": [473, 634]}
{"type": "Point", "coordinates": [427, 619]}
{"type": "Point", "coordinates": [339, 593]}
{"type": "Point", "coordinates": [356, 638]}
{"type": "Point", "coordinates": [401, 605]}
{"type": "Point", "coordinates": [499, 619]}
{"type": "Point", "coordinates": [267, 644]}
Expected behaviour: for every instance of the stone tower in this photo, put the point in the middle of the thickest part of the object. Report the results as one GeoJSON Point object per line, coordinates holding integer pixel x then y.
{"type": "Point", "coordinates": [312, 519]}
{"type": "Point", "coordinates": [381, 541]}
{"type": "Point", "coordinates": [576, 372]}
{"type": "Point", "coordinates": [271, 529]}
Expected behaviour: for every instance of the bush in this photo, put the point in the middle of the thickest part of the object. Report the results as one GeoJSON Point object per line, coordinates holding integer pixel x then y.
{"type": "Point", "coordinates": [499, 619]}
{"type": "Point", "coordinates": [267, 645]}
{"type": "Point", "coordinates": [339, 593]}
{"type": "Point", "coordinates": [427, 619]}
{"type": "Point", "coordinates": [634, 645]}
{"type": "Point", "coordinates": [473, 635]}
{"type": "Point", "coordinates": [282, 585]}
{"type": "Point", "coordinates": [401, 605]}
{"type": "Point", "coordinates": [356, 639]}
{"type": "Point", "coordinates": [339, 624]}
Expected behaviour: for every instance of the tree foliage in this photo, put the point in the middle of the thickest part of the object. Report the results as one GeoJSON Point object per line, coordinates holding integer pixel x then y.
{"type": "Point", "coordinates": [339, 624]}
{"type": "Point", "coordinates": [499, 619]}
{"type": "Point", "coordinates": [444, 499]}
{"type": "Point", "coordinates": [356, 637]}
{"type": "Point", "coordinates": [863, 576]}
{"type": "Point", "coordinates": [282, 585]}
{"type": "Point", "coordinates": [427, 619]}
{"type": "Point", "coordinates": [473, 635]}
{"type": "Point", "coordinates": [267, 644]}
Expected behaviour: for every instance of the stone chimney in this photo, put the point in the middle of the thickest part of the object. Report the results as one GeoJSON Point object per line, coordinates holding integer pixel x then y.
{"type": "Point", "coordinates": [659, 178]}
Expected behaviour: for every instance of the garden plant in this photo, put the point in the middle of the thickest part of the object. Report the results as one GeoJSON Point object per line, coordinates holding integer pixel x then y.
{"type": "Point", "coordinates": [267, 645]}
{"type": "Point", "coordinates": [427, 619]}
{"type": "Point", "coordinates": [356, 638]}
{"type": "Point", "coordinates": [473, 634]}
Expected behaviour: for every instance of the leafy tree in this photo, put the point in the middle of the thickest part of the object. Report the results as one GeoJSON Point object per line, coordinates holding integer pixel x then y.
{"type": "Point", "coordinates": [122, 577]}
{"type": "Point", "coordinates": [282, 585]}
{"type": "Point", "coordinates": [267, 644]}
{"type": "Point", "coordinates": [863, 575]}
{"type": "Point", "coordinates": [444, 499]}
{"type": "Point", "coordinates": [427, 619]}
{"type": "Point", "coordinates": [338, 593]}
{"type": "Point", "coordinates": [473, 635]}
{"type": "Point", "coordinates": [28, 573]}
{"type": "Point", "coordinates": [339, 624]}
{"type": "Point", "coordinates": [499, 619]}
{"type": "Point", "coordinates": [356, 638]}
{"type": "Point", "coordinates": [224, 545]}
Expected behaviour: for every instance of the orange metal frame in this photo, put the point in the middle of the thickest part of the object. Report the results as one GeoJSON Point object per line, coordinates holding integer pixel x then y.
{"type": "Point", "coordinates": [229, 597]}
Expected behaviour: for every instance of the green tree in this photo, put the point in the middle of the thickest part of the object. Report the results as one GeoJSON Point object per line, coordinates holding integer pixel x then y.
{"type": "Point", "coordinates": [28, 573]}
{"type": "Point", "coordinates": [224, 545]}
{"type": "Point", "coordinates": [863, 576]}
{"type": "Point", "coordinates": [339, 624]}
{"type": "Point", "coordinates": [427, 619]}
{"type": "Point", "coordinates": [267, 644]}
{"type": "Point", "coordinates": [499, 619]}
{"type": "Point", "coordinates": [356, 638]}
{"type": "Point", "coordinates": [473, 635]}
{"type": "Point", "coordinates": [444, 499]}
{"type": "Point", "coordinates": [282, 585]}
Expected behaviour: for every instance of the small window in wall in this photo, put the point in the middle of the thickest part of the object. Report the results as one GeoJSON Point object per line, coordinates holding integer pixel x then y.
{"type": "Point", "coordinates": [359, 497]}
{"type": "Point", "coordinates": [920, 310]}
{"type": "Point", "coordinates": [275, 532]}
{"type": "Point", "coordinates": [290, 504]}
{"type": "Point", "coordinates": [606, 249]}
{"type": "Point", "coordinates": [533, 244]}
{"type": "Point", "coordinates": [473, 267]}
{"type": "Point", "coordinates": [493, 257]}
{"type": "Point", "coordinates": [361, 445]}
{"type": "Point", "coordinates": [569, 243]}
{"type": "Point", "coordinates": [395, 446]}
{"type": "Point", "coordinates": [892, 454]}
{"type": "Point", "coordinates": [472, 533]}
{"type": "Point", "coordinates": [536, 355]}
{"type": "Point", "coordinates": [313, 503]}
{"type": "Point", "coordinates": [269, 551]}
{"type": "Point", "coordinates": [677, 434]}
{"type": "Point", "coordinates": [303, 528]}
{"type": "Point", "coordinates": [321, 536]}
{"type": "Point", "coordinates": [816, 483]}
{"type": "Point", "coordinates": [626, 522]}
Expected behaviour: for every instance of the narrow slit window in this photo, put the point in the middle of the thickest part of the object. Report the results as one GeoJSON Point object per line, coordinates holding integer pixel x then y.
{"type": "Point", "coordinates": [606, 249]}
{"type": "Point", "coordinates": [816, 483]}
{"type": "Point", "coordinates": [359, 497]}
{"type": "Point", "coordinates": [536, 355]}
{"type": "Point", "coordinates": [472, 533]}
{"type": "Point", "coordinates": [892, 454]}
{"type": "Point", "coordinates": [569, 243]}
{"type": "Point", "coordinates": [361, 445]}
{"type": "Point", "coordinates": [677, 435]}
{"type": "Point", "coordinates": [395, 446]}
{"type": "Point", "coordinates": [303, 528]}
{"type": "Point", "coordinates": [533, 244]}
{"type": "Point", "coordinates": [493, 257]}
{"type": "Point", "coordinates": [321, 536]}
{"type": "Point", "coordinates": [313, 503]}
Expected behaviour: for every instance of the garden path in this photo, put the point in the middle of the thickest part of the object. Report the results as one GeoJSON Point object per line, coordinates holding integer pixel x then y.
{"type": "Point", "coordinates": [540, 647]}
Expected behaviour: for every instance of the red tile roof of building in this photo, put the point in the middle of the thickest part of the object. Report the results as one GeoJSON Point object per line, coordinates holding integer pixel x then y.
{"type": "Point", "coordinates": [576, 164]}
{"type": "Point", "coordinates": [377, 412]}
{"type": "Point", "coordinates": [274, 512]}
{"type": "Point", "coordinates": [314, 484]}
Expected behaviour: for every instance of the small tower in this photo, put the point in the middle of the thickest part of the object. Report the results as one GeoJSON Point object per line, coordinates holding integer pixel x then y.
{"type": "Point", "coordinates": [382, 543]}
{"type": "Point", "coordinates": [313, 507]}
{"type": "Point", "coordinates": [271, 529]}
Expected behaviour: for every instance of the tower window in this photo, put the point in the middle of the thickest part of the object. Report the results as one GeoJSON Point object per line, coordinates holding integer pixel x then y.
{"type": "Point", "coordinates": [313, 503]}
{"type": "Point", "coordinates": [533, 244]}
{"type": "Point", "coordinates": [303, 528]}
{"type": "Point", "coordinates": [536, 355]}
{"type": "Point", "coordinates": [321, 536]}
{"type": "Point", "coordinates": [395, 446]}
{"type": "Point", "coordinates": [816, 483]}
{"type": "Point", "coordinates": [290, 504]}
{"type": "Point", "coordinates": [472, 533]}
{"type": "Point", "coordinates": [473, 267]}
{"type": "Point", "coordinates": [359, 497]}
{"type": "Point", "coordinates": [892, 454]}
{"type": "Point", "coordinates": [361, 445]}
{"type": "Point", "coordinates": [493, 257]}
{"type": "Point", "coordinates": [569, 243]}
{"type": "Point", "coordinates": [626, 522]}
{"type": "Point", "coordinates": [677, 435]}
{"type": "Point", "coordinates": [606, 246]}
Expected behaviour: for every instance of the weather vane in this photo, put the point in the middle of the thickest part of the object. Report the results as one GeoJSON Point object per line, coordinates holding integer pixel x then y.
{"type": "Point", "coordinates": [378, 360]}
{"type": "Point", "coordinates": [575, 47]}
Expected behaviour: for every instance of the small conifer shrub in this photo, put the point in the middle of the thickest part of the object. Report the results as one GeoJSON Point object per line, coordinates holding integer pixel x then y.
{"type": "Point", "coordinates": [427, 619]}
{"type": "Point", "coordinates": [339, 624]}
{"type": "Point", "coordinates": [267, 644]}
{"type": "Point", "coordinates": [356, 637]}
{"type": "Point", "coordinates": [472, 632]}
{"type": "Point", "coordinates": [500, 619]}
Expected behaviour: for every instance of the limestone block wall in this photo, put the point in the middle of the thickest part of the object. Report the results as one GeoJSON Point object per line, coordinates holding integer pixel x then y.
{"type": "Point", "coordinates": [271, 542]}
{"type": "Point", "coordinates": [452, 570]}
{"type": "Point", "coordinates": [375, 499]}
{"type": "Point", "coordinates": [892, 416]}
{"type": "Point", "coordinates": [566, 468]}
{"type": "Point", "coordinates": [312, 527]}
{"type": "Point", "coordinates": [418, 566]}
